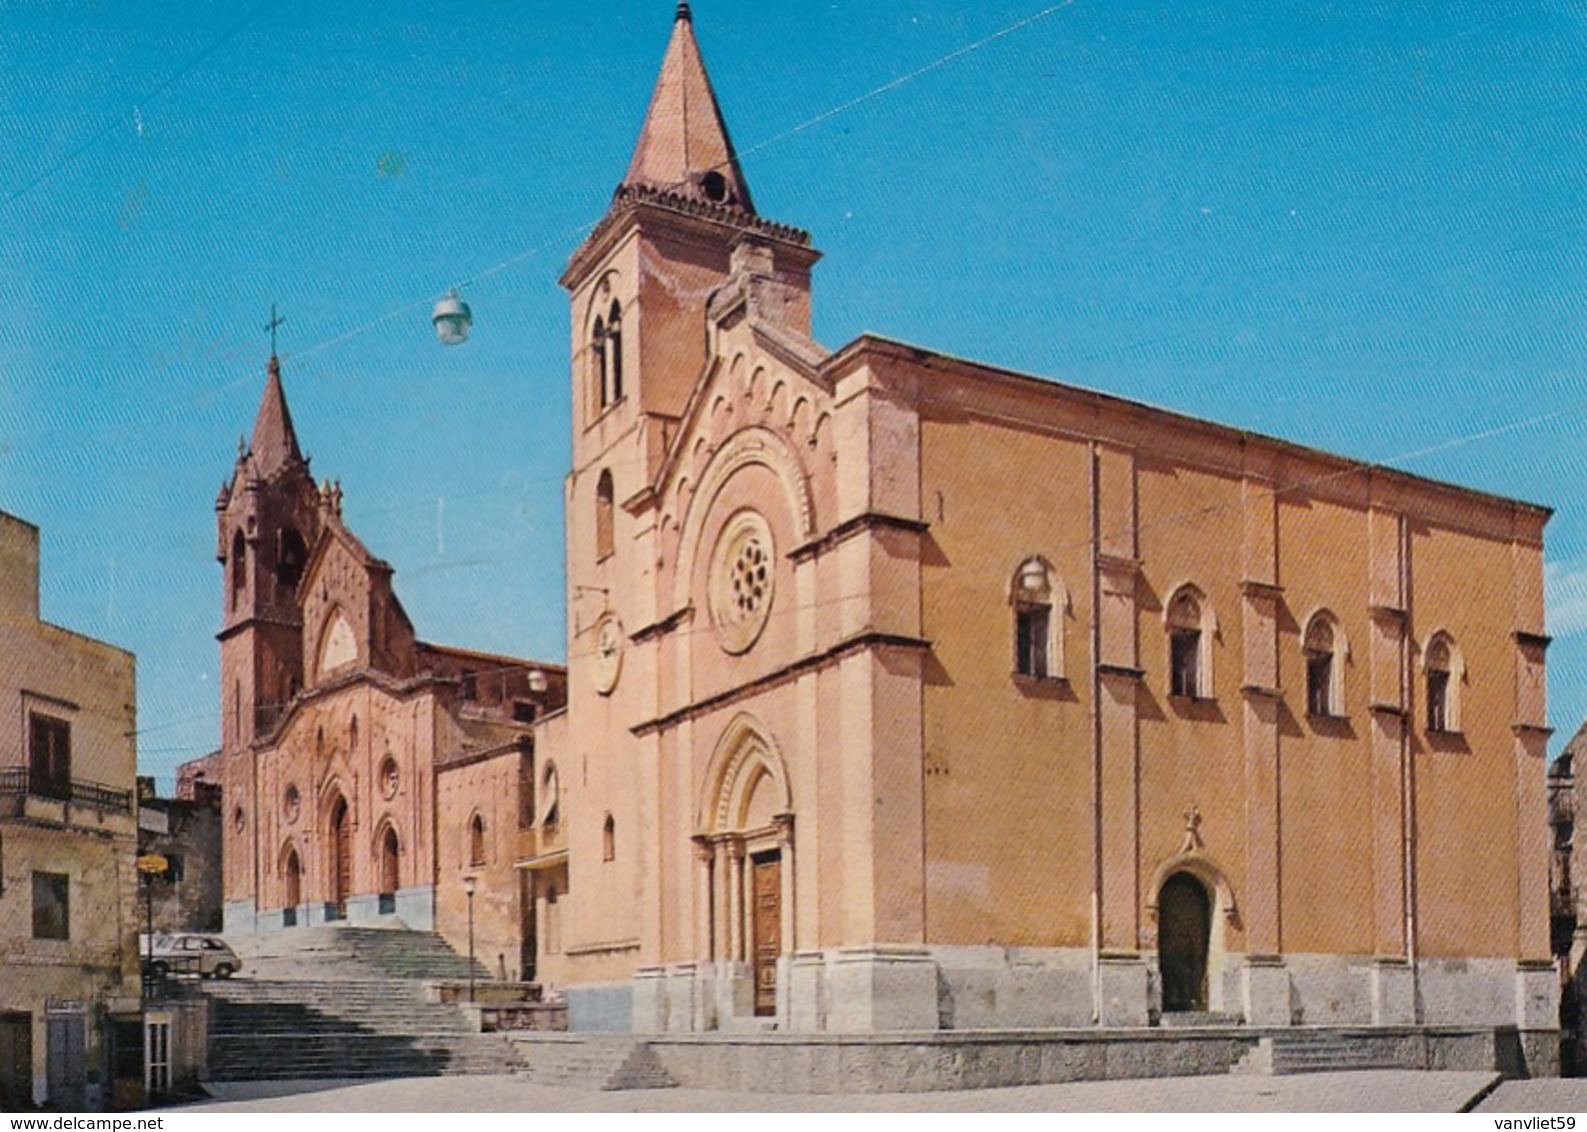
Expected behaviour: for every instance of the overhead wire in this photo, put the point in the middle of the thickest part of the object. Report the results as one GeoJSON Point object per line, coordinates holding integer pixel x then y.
{"type": "Point", "coordinates": [148, 96]}
{"type": "Point", "coordinates": [583, 230]}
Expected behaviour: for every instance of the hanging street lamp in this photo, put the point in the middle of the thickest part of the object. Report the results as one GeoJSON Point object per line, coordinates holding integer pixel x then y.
{"type": "Point", "coordinates": [452, 320]}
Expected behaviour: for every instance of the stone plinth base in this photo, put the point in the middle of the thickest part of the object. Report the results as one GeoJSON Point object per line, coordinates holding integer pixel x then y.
{"type": "Point", "coordinates": [1265, 991]}
{"type": "Point", "coordinates": [881, 1063]}
{"type": "Point", "coordinates": [1393, 993]}
{"type": "Point", "coordinates": [239, 917]}
{"type": "Point", "coordinates": [876, 989]}
{"type": "Point", "coordinates": [1124, 991]}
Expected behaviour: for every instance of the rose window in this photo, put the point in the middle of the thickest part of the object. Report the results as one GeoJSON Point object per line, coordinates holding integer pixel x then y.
{"type": "Point", "coordinates": [742, 578]}
{"type": "Point", "coordinates": [750, 579]}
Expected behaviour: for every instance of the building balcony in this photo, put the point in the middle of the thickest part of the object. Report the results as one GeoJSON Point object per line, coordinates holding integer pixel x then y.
{"type": "Point", "coordinates": [56, 802]}
{"type": "Point", "coordinates": [541, 842]}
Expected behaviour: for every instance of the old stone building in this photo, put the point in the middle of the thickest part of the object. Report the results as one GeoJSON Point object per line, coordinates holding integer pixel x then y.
{"type": "Point", "coordinates": [68, 963]}
{"type": "Point", "coordinates": [915, 693]}
{"type": "Point", "coordinates": [366, 774]}
{"type": "Point", "coordinates": [185, 831]}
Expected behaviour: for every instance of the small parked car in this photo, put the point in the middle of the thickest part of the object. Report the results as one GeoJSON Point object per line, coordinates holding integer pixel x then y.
{"type": "Point", "coordinates": [189, 953]}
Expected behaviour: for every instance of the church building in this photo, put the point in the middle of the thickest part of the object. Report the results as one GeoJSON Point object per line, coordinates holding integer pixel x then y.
{"type": "Point", "coordinates": [907, 693]}
{"type": "Point", "coordinates": [917, 694]}
{"type": "Point", "coordinates": [367, 776]}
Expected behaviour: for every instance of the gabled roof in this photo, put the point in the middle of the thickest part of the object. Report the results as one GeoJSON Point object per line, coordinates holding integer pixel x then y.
{"type": "Point", "coordinates": [683, 146]}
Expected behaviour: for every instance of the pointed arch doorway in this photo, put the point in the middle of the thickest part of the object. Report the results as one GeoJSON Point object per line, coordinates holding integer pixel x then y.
{"type": "Point", "coordinates": [389, 872]}
{"type": "Point", "coordinates": [1184, 935]}
{"type": "Point", "coordinates": [294, 889]}
{"type": "Point", "coordinates": [744, 854]}
{"type": "Point", "coordinates": [341, 878]}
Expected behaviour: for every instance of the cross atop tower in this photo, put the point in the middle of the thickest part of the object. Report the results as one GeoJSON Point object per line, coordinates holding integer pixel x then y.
{"type": "Point", "coordinates": [275, 321]}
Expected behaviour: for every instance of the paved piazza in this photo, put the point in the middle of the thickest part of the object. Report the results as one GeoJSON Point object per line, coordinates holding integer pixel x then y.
{"type": "Point", "coordinates": [1377, 1091]}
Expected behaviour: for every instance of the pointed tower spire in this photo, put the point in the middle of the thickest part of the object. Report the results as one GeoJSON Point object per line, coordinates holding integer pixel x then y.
{"type": "Point", "coordinates": [683, 146]}
{"type": "Point", "coordinates": [274, 443]}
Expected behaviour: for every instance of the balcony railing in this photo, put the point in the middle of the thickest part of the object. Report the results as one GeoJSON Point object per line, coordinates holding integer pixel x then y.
{"type": "Point", "coordinates": [20, 782]}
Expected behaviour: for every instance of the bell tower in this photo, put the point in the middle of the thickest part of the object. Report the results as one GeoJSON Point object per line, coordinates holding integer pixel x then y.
{"type": "Point", "coordinates": [641, 283]}
{"type": "Point", "coordinates": [266, 519]}
{"type": "Point", "coordinates": [646, 290]}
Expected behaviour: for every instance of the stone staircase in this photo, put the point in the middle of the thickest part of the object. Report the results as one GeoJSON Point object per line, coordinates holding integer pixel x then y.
{"type": "Point", "coordinates": [606, 1062]}
{"type": "Point", "coordinates": [351, 952]}
{"type": "Point", "coordinates": [345, 1002]}
{"type": "Point", "coordinates": [1316, 1052]}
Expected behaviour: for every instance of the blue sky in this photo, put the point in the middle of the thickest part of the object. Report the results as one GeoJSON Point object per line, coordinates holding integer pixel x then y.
{"type": "Point", "coordinates": [1353, 225]}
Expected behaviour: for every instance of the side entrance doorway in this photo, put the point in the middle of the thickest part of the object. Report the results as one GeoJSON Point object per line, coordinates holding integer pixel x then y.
{"type": "Point", "coordinates": [1184, 925]}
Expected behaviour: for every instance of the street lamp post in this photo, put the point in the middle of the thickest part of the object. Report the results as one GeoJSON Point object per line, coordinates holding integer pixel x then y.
{"type": "Point", "coordinates": [468, 889]}
{"type": "Point", "coordinates": [149, 866]}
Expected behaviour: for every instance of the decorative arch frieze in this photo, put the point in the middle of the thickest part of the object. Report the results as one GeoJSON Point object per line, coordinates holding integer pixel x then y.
{"type": "Point", "coordinates": [753, 445]}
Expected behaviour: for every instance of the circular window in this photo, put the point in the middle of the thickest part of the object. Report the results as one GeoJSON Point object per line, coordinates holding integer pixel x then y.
{"type": "Point", "coordinates": [389, 778]}
{"type": "Point", "coordinates": [291, 803]}
{"type": "Point", "coordinates": [715, 186]}
{"type": "Point", "coordinates": [743, 576]}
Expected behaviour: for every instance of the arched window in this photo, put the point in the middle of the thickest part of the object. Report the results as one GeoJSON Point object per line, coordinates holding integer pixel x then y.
{"type": "Point", "coordinates": [1037, 631]}
{"type": "Point", "coordinates": [239, 566]}
{"type": "Point", "coordinates": [291, 557]}
{"type": "Point", "coordinates": [526, 788]}
{"type": "Point", "coordinates": [614, 351]}
{"type": "Point", "coordinates": [476, 840]}
{"type": "Point", "coordinates": [598, 361]}
{"type": "Point", "coordinates": [609, 839]}
{"type": "Point", "coordinates": [1189, 659]}
{"type": "Point", "coordinates": [1325, 654]}
{"type": "Point", "coordinates": [1445, 672]}
{"type": "Point", "coordinates": [352, 736]}
{"type": "Point", "coordinates": [604, 515]}
{"type": "Point", "coordinates": [551, 792]}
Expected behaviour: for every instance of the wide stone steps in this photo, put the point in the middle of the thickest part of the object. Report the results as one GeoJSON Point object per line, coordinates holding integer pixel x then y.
{"type": "Point", "coordinates": [1319, 1053]}
{"type": "Point", "coordinates": [323, 951]}
{"type": "Point", "coordinates": [589, 1061]}
{"type": "Point", "coordinates": [345, 1002]}
{"type": "Point", "coordinates": [1303, 1052]}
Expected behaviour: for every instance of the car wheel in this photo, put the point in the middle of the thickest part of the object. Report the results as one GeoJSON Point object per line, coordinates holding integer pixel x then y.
{"type": "Point", "coordinates": [223, 970]}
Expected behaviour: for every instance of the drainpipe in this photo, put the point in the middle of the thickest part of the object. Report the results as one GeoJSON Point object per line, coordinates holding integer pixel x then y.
{"type": "Point", "coordinates": [1096, 738]}
{"type": "Point", "coordinates": [1408, 766]}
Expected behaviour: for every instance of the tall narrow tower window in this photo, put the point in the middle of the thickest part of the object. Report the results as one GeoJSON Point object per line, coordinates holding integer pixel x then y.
{"type": "Point", "coordinates": [604, 507]}
{"type": "Point", "coordinates": [614, 350]}
{"type": "Point", "coordinates": [598, 362]}
{"type": "Point", "coordinates": [291, 556]}
{"type": "Point", "coordinates": [239, 567]}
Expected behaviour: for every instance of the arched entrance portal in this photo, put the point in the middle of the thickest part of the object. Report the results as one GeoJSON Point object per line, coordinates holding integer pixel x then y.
{"type": "Point", "coordinates": [388, 872]}
{"type": "Point", "coordinates": [745, 869]}
{"type": "Point", "coordinates": [341, 858]}
{"type": "Point", "coordinates": [1184, 918]}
